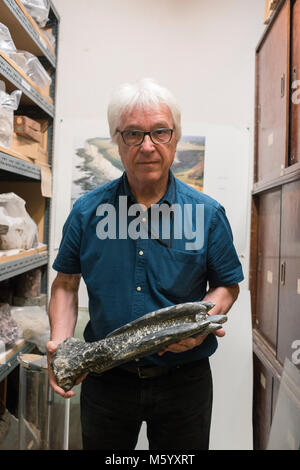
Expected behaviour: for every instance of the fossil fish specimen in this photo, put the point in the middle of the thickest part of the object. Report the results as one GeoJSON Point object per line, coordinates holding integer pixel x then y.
{"type": "Point", "coordinates": [146, 335]}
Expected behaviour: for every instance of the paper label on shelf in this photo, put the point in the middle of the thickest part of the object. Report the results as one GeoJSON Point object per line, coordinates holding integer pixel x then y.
{"type": "Point", "coordinates": [270, 277]}
{"type": "Point", "coordinates": [298, 286]}
{"type": "Point", "coordinates": [46, 182]}
{"type": "Point", "coordinates": [270, 139]}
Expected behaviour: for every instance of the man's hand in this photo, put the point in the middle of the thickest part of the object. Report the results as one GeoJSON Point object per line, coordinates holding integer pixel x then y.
{"type": "Point", "coordinates": [51, 347]}
{"type": "Point", "coordinates": [189, 343]}
{"type": "Point", "coordinates": [224, 298]}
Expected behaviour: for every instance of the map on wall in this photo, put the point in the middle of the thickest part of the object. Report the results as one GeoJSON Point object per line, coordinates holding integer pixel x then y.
{"type": "Point", "coordinates": [98, 162]}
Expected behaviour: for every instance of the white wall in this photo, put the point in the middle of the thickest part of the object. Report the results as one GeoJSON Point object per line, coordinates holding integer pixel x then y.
{"type": "Point", "coordinates": [204, 51]}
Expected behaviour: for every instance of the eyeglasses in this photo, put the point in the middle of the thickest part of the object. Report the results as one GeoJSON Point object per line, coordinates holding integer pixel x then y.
{"type": "Point", "coordinates": [136, 137]}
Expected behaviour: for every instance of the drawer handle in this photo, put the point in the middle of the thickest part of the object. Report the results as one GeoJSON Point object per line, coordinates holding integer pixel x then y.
{"type": "Point", "coordinates": [282, 85]}
{"type": "Point", "coordinates": [282, 273]}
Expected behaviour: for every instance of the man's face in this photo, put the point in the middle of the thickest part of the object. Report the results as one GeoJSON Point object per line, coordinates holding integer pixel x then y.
{"type": "Point", "coordinates": [148, 162]}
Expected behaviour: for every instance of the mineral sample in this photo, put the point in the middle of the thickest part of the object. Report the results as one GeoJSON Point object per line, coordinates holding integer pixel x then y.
{"type": "Point", "coordinates": [146, 335]}
{"type": "Point", "coordinates": [9, 330]}
{"type": "Point", "coordinates": [22, 231]}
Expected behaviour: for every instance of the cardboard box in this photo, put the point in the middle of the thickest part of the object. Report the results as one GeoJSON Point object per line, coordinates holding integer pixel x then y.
{"type": "Point", "coordinates": [28, 147]}
{"type": "Point", "coordinates": [25, 127]}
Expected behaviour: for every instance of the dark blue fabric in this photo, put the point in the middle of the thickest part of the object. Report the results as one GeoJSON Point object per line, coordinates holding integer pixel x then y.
{"type": "Point", "coordinates": [113, 268]}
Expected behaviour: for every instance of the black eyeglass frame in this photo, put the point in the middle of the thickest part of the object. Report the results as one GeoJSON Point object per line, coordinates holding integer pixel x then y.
{"type": "Point", "coordinates": [146, 133]}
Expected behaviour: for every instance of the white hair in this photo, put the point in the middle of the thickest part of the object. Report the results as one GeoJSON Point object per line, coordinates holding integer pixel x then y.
{"type": "Point", "coordinates": [146, 94]}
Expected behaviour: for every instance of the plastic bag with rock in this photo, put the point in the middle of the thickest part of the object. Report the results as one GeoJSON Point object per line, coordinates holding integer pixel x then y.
{"type": "Point", "coordinates": [8, 104]}
{"type": "Point", "coordinates": [38, 10]}
{"type": "Point", "coordinates": [17, 228]}
{"type": "Point", "coordinates": [33, 321]}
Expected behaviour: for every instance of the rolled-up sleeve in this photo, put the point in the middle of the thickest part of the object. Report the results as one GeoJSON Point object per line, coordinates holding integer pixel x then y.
{"type": "Point", "coordinates": [224, 267]}
{"type": "Point", "coordinates": [68, 258]}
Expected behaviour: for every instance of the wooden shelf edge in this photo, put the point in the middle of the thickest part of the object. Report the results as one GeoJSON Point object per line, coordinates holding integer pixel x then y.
{"type": "Point", "coordinates": [23, 254]}
{"type": "Point", "coordinates": [20, 263]}
{"type": "Point", "coordinates": [13, 153]}
{"type": "Point", "coordinates": [25, 158]}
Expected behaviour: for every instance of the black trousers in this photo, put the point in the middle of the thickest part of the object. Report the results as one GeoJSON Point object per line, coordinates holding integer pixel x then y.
{"type": "Point", "coordinates": [176, 407]}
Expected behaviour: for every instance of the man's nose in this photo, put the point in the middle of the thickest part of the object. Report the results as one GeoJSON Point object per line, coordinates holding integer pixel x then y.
{"type": "Point", "coordinates": [147, 144]}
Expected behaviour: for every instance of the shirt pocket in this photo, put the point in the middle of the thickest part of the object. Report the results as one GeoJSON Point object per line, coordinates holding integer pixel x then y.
{"type": "Point", "coordinates": [180, 276]}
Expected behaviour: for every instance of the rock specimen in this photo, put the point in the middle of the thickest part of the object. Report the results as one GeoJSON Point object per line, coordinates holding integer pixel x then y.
{"type": "Point", "coordinates": [9, 330]}
{"type": "Point", "coordinates": [146, 335]}
{"type": "Point", "coordinates": [22, 231]}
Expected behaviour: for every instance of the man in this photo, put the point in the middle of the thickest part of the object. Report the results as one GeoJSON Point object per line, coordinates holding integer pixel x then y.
{"type": "Point", "coordinates": [138, 272]}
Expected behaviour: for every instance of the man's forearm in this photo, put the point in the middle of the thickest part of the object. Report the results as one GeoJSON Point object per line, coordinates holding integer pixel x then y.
{"type": "Point", "coordinates": [63, 306]}
{"type": "Point", "coordinates": [224, 297]}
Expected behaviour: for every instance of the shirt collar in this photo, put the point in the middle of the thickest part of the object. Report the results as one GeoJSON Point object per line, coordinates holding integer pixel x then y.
{"type": "Point", "coordinates": [168, 197]}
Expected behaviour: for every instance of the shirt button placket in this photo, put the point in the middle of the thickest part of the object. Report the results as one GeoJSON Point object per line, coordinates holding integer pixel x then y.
{"type": "Point", "coordinates": [140, 279]}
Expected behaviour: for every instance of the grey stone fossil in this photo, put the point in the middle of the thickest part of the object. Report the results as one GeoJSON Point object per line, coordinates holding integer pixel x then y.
{"type": "Point", "coordinates": [141, 337]}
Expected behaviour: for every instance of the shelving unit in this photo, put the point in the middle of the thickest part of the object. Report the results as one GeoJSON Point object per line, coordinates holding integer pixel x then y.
{"type": "Point", "coordinates": [22, 173]}
{"type": "Point", "coordinates": [275, 224]}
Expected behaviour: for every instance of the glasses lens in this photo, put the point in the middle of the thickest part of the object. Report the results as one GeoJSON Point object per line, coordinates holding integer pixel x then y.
{"type": "Point", "coordinates": [161, 136]}
{"type": "Point", "coordinates": [132, 137]}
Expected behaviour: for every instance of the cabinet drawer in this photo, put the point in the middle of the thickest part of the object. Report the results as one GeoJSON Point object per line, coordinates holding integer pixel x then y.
{"type": "Point", "coordinates": [268, 264]}
{"type": "Point", "coordinates": [294, 155]}
{"type": "Point", "coordinates": [289, 287]}
{"type": "Point", "coordinates": [262, 404]}
{"type": "Point", "coordinates": [272, 100]}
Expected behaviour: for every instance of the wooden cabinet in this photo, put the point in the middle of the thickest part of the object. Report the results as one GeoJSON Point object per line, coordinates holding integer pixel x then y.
{"type": "Point", "coordinates": [268, 264]}
{"type": "Point", "coordinates": [275, 224]}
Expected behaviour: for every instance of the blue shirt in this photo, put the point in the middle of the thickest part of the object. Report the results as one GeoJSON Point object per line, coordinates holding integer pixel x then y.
{"type": "Point", "coordinates": [127, 278]}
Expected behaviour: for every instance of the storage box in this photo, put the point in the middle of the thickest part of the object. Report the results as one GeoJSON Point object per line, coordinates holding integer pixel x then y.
{"type": "Point", "coordinates": [28, 128]}
{"type": "Point", "coordinates": [38, 151]}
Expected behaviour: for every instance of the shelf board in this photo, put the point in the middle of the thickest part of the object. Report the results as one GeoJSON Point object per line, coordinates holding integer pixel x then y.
{"type": "Point", "coordinates": [9, 359]}
{"type": "Point", "coordinates": [17, 19]}
{"type": "Point", "coordinates": [14, 265]}
{"type": "Point", "coordinates": [289, 174]}
{"type": "Point", "coordinates": [16, 77]}
{"type": "Point", "coordinates": [13, 164]}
